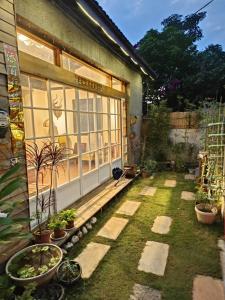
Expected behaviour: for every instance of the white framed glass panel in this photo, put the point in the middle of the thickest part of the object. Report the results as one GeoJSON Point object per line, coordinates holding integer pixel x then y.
{"type": "Point", "coordinates": [41, 123]}
{"type": "Point", "coordinates": [62, 176]}
{"type": "Point", "coordinates": [59, 122]}
{"type": "Point", "coordinates": [28, 123]}
{"type": "Point", "coordinates": [39, 92]}
{"type": "Point", "coordinates": [71, 118]}
{"type": "Point", "coordinates": [71, 101]}
{"type": "Point", "coordinates": [73, 144]}
{"type": "Point", "coordinates": [84, 122]}
{"type": "Point", "coordinates": [74, 168]}
{"type": "Point", "coordinates": [84, 145]}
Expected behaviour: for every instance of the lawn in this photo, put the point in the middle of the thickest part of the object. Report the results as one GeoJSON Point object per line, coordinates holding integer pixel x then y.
{"type": "Point", "coordinates": [193, 247]}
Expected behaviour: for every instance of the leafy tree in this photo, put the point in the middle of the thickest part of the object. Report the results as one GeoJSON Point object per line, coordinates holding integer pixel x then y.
{"type": "Point", "coordinates": [186, 76]}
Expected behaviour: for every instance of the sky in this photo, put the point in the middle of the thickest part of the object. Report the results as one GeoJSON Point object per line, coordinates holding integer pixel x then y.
{"type": "Point", "coordinates": [136, 17]}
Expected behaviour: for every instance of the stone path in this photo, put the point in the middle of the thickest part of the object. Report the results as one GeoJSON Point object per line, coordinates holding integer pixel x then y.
{"type": "Point", "coordinates": [143, 292]}
{"type": "Point", "coordinates": [188, 196]}
{"type": "Point", "coordinates": [154, 258]}
{"type": "Point", "coordinates": [113, 228]}
{"type": "Point", "coordinates": [148, 191]}
{"type": "Point", "coordinates": [162, 225]}
{"type": "Point", "coordinates": [207, 288]}
{"type": "Point", "coordinates": [170, 183]}
{"type": "Point", "coordinates": [128, 208]}
{"type": "Point", "coordinates": [91, 257]}
{"type": "Point", "coordinates": [189, 177]}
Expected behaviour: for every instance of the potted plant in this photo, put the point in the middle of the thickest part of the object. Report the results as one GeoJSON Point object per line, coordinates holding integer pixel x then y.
{"type": "Point", "coordinates": [69, 216]}
{"type": "Point", "coordinates": [51, 291]}
{"type": "Point", "coordinates": [57, 224]}
{"type": "Point", "coordinates": [34, 264]}
{"type": "Point", "coordinates": [149, 167]}
{"type": "Point", "coordinates": [68, 272]}
{"type": "Point", "coordinates": [130, 170]}
{"type": "Point", "coordinates": [205, 210]}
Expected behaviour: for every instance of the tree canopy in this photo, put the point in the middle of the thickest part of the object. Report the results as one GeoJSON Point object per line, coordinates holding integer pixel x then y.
{"type": "Point", "coordinates": [186, 76]}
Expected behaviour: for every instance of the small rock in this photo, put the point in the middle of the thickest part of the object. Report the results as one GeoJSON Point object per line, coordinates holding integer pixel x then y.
{"type": "Point", "coordinates": [68, 245]}
{"type": "Point", "coordinates": [93, 220]}
{"type": "Point", "coordinates": [84, 230]}
{"type": "Point", "coordinates": [88, 226]}
{"type": "Point", "coordinates": [75, 239]}
{"type": "Point", "coordinates": [64, 251]}
{"type": "Point", "coordinates": [80, 234]}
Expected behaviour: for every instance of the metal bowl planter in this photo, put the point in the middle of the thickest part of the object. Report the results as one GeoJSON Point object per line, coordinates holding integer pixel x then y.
{"type": "Point", "coordinates": [206, 214]}
{"type": "Point", "coordinates": [69, 272]}
{"type": "Point", "coordinates": [45, 275]}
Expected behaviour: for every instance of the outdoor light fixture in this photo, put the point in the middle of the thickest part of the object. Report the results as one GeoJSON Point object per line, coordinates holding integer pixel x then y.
{"type": "Point", "coordinates": [124, 51]}
{"type": "Point", "coordinates": [143, 71]}
{"type": "Point", "coordinates": [134, 61]}
{"type": "Point", "coordinates": [87, 14]}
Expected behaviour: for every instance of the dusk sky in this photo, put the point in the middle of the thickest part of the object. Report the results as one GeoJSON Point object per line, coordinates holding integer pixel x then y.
{"type": "Point", "coordinates": [136, 17]}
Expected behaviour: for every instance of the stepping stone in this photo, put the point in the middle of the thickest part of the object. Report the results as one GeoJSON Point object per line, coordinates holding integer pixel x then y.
{"type": "Point", "coordinates": [162, 225]}
{"type": "Point", "coordinates": [207, 288]}
{"type": "Point", "coordinates": [91, 257]}
{"type": "Point", "coordinates": [170, 183]}
{"type": "Point", "coordinates": [188, 196]}
{"type": "Point", "coordinates": [189, 177]}
{"type": "Point", "coordinates": [112, 229]}
{"type": "Point", "coordinates": [148, 191]}
{"type": "Point", "coordinates": [143, 292]}
{"type": "Point", "coordinates": [128, 208]}
{"type": "Point", "coordinates": [154, 258]}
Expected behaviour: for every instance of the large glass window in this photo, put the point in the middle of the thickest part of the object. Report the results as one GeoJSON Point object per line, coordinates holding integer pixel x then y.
{"type": "Point", "coordinates": [86, 124]}
{"type": "Point", "coordinates": [35, 48]}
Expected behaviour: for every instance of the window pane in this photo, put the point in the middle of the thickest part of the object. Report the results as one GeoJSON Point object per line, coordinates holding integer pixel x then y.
{"type": "Point", "coordinates": [91, 102]}
{"type": "Point", "coordinates": [59, 122]}
{"type": "Point", "coordinates": [99, 122]}
{"type": "Point", "coordinates": [62, 176]}
{"type": "Point", "coordinates": [25, 90]}
{"type": "Point", "coordinates": [73, 145]}
{"type": "Point", "coordinates": [28, 123]}
{"type": "Point", "coordinates": [71, 101]}
{"type": "Point", "coordinates": [83, 122]}
{"type": "Point", "coordinates": [112, 106]}
{"type": "Point", "coordinates": [105, 122]}
{"type": "Point", "coordinates": [113, 122]}
{"type": "Point", "coordinates": [71, 122]}
{"type": "Point", "coordinates": [113, 137]}
{"type": "Point", "coordinates": [74, 168]}
{"type": "Point", "coordinates": [39, 92]}
{"type": "Point", "coordinates": [93, 160]}
{"type": "Point", "coordinates": [85, 163]}
{"type": "Point", "coordinates": [106, 155]}
{"type": "Point", "coordinates": [57, 96]}
{"type": "Point", "coordinates": [99, 106]}
{"type": "Point", "coordinates": [92, 122]}
{"type": "Point", "coordinates": [83, 100]}
{"type": "Point", "coordinates": [93, 141]}
{"type": "Point", "coordinates": [34, 48]}
{"type": "Point", "coordinates": [84, 146]}
{"type": "Point", "coordinates": [104, 104]}
{"type": "Point", "coordinates": [41, 123]}
{"type": "Point", "coordinates": [114, 152]}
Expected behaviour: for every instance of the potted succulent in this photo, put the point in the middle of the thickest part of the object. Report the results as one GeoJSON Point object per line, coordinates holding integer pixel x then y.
{"type": "Point", "coordinates": [34, 264]}
{"type": "Point", "coordinates": [69, 216]}
{"type": "Point", "coordinates": [68, 272]}
{"type": "Point", "coordinates": [57, 224]}
{"type": "Point", "coordinates": [206, 211]}
{"type": "Point", "coordinates": [148, 167]}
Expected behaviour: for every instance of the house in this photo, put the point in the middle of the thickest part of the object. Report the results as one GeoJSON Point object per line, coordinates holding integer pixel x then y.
{"type": "Point", "coordinates": [68, 74]}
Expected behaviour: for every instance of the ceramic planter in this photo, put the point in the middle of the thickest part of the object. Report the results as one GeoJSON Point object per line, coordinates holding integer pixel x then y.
{"type": "Point", "coordinates": [59, 233]}
{"type": "Point", "coordinates": [70, 225]}
{"type": "Point", "coordinates": [42, 238]}
{"type": "Point", "coordinates": [205, 217]}
{"type": "Point", "coordinates": [145, 174]}
{"type": "Point", "coordinates": [39, 279]}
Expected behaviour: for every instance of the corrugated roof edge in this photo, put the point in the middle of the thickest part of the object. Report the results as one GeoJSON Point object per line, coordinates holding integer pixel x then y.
{"type": "Point", "coordinates": [93, 4]}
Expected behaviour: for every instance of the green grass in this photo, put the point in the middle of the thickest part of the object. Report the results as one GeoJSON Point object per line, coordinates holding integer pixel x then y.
{"type": "Point", "coordinates": [193, 247]}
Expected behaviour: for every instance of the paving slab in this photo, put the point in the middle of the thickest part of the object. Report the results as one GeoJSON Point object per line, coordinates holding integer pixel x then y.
{"type": "Point", "coordinates": [188, 196]}
{"type": "Point", "coordinates": [207, 288]}
{"type": "Point", "coordinates": [148, 191]}
{"type": "Point", "coordinates": [143, 292]}
{"type": "Point", "coordinates": [162, 225]}
{"type": "Point", "coordinates": [154, 258]}
{"type": "Point", "coordinates": [91, 257]}
{"type": "Point", "coordinates": [189, 177]}
{"type": "Point", "coordinates": [113, 228]}
{"type": "Point", "coordinates": [170, 183]}
{"type": "Point", "coordinates": [128, 208]}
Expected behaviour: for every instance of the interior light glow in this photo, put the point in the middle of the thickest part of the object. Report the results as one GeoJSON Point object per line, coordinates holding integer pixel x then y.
{"type": "Point", "coordinates": [108, 35]}
{"type": "Point", "coordinates": [124, 51]}
{"type": "Point", "coordinates": [144, 71]}
{"type": "Point", "coordinates": [87, 14]}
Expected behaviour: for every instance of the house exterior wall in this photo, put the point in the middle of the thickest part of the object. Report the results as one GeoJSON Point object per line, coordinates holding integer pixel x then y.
{"type": "Point", "coordinates": [8, 38]}
{"type": "Point", "coordinates": [50, 19]}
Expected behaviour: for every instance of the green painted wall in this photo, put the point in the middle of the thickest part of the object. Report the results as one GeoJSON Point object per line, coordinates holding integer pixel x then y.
{"type": "Point", "coordinates": [48, 17]}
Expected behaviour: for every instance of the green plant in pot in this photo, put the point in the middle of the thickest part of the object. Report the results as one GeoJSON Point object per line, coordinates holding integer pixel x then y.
{"type": "Point", "coordinates": [57, 224]}
{"type": "Point", "coordinates": [148, 168]}
{"type": "Point", "coordinates": [205, 207]}
{"type": "Point", "coordinates": [69, 216]}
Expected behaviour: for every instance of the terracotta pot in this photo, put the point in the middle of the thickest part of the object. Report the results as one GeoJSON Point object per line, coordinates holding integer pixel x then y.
{"type": "Point", "coordinates": [58, 233]}
{"type": "Point", "coordinates": [145, 174]}
{"type": "Point", "coordinates": [39, 279]}
{"type": "Point", "coordinates": [131, 171]}
{"type": "Point", "coordinates": [42, 238]}
{"type": "Point", "coordinates": [70, 224]}
{"type": "Point", "coordinates": [205, 217]}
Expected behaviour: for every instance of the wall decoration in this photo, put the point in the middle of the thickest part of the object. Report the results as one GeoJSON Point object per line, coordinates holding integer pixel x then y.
{"type": "Point", "coordinates": [133, 120]}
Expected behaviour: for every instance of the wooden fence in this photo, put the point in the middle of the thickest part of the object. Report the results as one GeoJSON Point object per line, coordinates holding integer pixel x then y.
{"type": "Point", "coordinates": [184, 120]}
